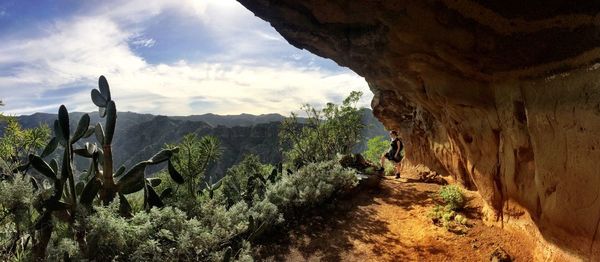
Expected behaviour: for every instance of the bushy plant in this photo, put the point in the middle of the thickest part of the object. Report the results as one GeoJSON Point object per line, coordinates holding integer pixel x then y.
{"type": "Point", "coordinates": [17, 143]}
{"type": "Point", "coordinates": [452, 196]}
{"type": "Point", "coordinates": [167, 234]}
{"type": "Point", "coordinates": [194, 158]}
{"type": "Point", "coordinates": [333, 130]}
{"type": "Point", "coordinates": [239, 183]}
{"type": "Point", "coordinates": [312, 184]}
{"type": "Point", "coordinates": [18, 216]}
{"type": "Point", "coordinates": [376, 147]}
{"type": "Point", "coordinates": [448, 215]}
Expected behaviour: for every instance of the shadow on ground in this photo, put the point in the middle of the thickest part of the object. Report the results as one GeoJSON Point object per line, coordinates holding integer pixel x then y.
{"type": "Point", "coordinates": [328, 233]}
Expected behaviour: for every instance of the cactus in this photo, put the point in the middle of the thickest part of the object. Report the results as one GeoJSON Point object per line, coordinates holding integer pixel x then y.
{"type": "Point", "coordinates": [99, 179]}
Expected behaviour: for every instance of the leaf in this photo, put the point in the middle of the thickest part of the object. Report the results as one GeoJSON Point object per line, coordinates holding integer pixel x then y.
{"type": "Point", "coordinates": [82, 128]}
{"type": "Point", "coordinates": [40, 165]}
{"type": "Point", "coordinates": [119, 172]}
{"type": "Point", "coordinates": [152, 198]}
{"type": "Point", "coordinates": [124, 206]}
{"type": "Point", "coordinates": [161, 156]}
{"type": "Point", "coordinates": [99, 133]}
{"type": "Point", "coordinates": [82, 152]}
{"type": "Point", "coordinates": [91, 148]}
{"type": "Point", "coordinates": [174, 174]}
{"type": "Point", "coordinates": [90, 191]}
{"type": "Point", "coordinates": [260, 177]}
{"type": "Point", "coordinates": [79, 187]}
{"type": "Point", "coordinates": [90, 131]}
{"type": "Point", "coordinates": [102, 111]}
{"type": "Point", "coordinates": [43, 221]}
{"type": "Point", "coordinates": [111, 122]}
{"type": "Point", "coordinates": [21, 168]}
{"type": "Point", "coordinates": [34, 183]}
{"type": "Point", "coordinates": [104, 89]}
{"type": "Point", "coordinates": [56, 205]}
{"type": "Point", "coordinates": [63, 123]}
{"type": "Point", "coordinates": [227, 254]}
{"type": "Point", "coordinates": [50, 148]}
{"type": "Point", "coordinates": [54, 165]}
{"type": "Point", "coordinates": [133, 180]}
{"type": "Point", "coordinates": [168, 192]}
{"type": "Point", "coordinates": [58, 133]}
{"type": "Point", "coordinates": [218, 184]}
{"type": "Point", "coordinates": [154, 181]}
{"type": "Point", "coordinates": [66, 169]}
{"type": "Point", "coordinates": [273, 175]}
{"type": "Point", "coordinates": [98, 98]}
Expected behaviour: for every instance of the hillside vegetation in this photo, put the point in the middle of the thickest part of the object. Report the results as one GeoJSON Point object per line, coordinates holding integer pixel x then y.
{"type": "Point", "coordinates": [54, 210]}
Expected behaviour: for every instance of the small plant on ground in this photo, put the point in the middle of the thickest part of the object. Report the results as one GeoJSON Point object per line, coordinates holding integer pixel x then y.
{"type": "Point", "coordinates": [453, 197]}
{"type": "Point", "coordinates": [448, 215]}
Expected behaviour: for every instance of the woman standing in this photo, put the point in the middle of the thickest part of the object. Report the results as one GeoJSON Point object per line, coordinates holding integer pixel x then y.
{"type": "Point", "coordinates": [393, 154]}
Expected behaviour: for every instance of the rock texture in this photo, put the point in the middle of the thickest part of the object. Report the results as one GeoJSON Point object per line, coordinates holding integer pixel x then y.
{"type": "Point", "coordinates": [502, 95]}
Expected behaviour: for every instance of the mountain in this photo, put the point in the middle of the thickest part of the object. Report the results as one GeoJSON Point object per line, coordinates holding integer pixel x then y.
{"type": "Point", "coordinates": [139, 136]}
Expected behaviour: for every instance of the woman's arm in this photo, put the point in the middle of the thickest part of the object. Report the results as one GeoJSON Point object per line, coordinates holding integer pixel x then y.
{"type": "Point", "coordinates": [397, 150]}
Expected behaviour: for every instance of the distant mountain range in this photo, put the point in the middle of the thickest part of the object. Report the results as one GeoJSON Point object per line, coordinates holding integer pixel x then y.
{"type": "Point", "coordinates": [139, 136]}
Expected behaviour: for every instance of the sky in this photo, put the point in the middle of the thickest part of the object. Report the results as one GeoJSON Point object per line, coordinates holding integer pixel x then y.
{"type": "Point", "coordinates": [160, 56]}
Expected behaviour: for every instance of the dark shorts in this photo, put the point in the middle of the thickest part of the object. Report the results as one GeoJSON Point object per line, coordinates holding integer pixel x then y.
{"type": "Point", "coordinates": [390, 157]}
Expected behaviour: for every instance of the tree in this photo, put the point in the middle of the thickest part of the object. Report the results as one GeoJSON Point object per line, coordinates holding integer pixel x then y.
{"type": "Point", "coordinates": [376, 146]}
{"type": "Point", "coordinates": [194, 158]}
{"type": "Point", "coordinates": [17, 143]}
{"type": "Point", "coordinates": [333, 130]}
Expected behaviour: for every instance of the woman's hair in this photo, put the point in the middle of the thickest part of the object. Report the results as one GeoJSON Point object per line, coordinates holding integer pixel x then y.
{"type": "Point", "coordinates": [394, 132]}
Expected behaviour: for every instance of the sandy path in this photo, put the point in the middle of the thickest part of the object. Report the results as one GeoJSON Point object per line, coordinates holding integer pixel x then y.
{"type": "Point", "coordinates": [390, 224]}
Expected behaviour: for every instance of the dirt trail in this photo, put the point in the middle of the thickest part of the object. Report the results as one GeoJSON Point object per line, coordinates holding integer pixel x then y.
{"type": "Point", "coordinates": [391, 224]}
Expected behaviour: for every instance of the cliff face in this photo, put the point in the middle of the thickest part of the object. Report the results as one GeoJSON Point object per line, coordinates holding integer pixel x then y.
{"type": "Point", "coordinates": [502, 95]}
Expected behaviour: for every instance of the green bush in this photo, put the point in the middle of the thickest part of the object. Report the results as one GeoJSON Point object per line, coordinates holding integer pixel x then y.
{"type": "Point", "coordinates": [376, 146]}
{"type": "Point", "coordinates": [164, 234]}
{"type": "Point", "coordinates": [452, 196]}
{"type": "Point", "coordinates": [314, 183]}
{"type": "Point", "coordinates": [333, 130]}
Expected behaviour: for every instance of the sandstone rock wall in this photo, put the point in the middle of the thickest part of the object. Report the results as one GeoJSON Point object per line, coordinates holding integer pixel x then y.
{"type": "Point", "coordinates": [502, 95]}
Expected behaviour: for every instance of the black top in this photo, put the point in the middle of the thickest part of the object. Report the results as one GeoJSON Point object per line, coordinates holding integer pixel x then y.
{"type": "Point", "coordinates": [394, 145]}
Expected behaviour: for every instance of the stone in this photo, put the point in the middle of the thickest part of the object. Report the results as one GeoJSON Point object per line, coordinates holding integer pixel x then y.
{"type": "Point", "coordinates": [503, 95]}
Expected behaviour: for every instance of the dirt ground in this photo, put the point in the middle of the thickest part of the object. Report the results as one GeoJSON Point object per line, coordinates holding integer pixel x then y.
{"type": "Point", "coordinates": [391, 223]}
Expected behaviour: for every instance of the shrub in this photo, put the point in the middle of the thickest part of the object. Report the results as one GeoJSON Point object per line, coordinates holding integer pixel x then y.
{"type": "Point", "coordinates": [376, 146]}
{"type": "Point", "coordinates": [164, 234]}
{"type": "Point", "coordinates": [194, 158]}
{"type": "Point", "coordinates": [333, 130]}
{"type": "Point", "coordinates": [452, 196]}
{"type": "Point", "coordinates": [312, 184]}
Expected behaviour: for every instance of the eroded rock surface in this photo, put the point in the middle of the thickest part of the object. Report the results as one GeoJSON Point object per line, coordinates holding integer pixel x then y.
{"type": "Point", "coordinates": [502, 95]}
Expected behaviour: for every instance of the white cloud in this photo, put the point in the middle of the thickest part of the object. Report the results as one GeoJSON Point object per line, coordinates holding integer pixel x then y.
{"type": "Point", "coordinates": [68, 58]}
{"type": "Point", "coordinates": [144, 42]}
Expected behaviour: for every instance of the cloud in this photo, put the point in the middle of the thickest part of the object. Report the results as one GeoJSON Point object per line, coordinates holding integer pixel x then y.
{"type": "Point", "coordinates": [63, 63]}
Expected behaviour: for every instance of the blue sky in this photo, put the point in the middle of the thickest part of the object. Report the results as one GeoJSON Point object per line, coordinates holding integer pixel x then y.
{"type": "Point", "coordinates": [160, 56]}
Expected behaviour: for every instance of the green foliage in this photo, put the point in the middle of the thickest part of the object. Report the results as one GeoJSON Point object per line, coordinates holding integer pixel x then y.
{"type": "Point", "coordinates": [55, 214]}
{"type": "Point", "coordinates": [449, 219]}
{"type": "Point", "coordinates": [239, 183]}
{"type": "Point", "coordinates": [333, 130]}
{"type": "Point", "coordinates": [194, 158]}
{"type": "Point", "coordinates": [448, 215]}
{"type": "Point", "coordinates": [376, 147]}
{"type": "Point", "coordinates": [59, 198]}
{"type": "Point", "coordinates": [452, 196]}
{"type": "Point", "coordinates": [17, 143]}
{"type": "Point", "coordinates": [17, 217]}
{"type": "Point", "coordinates": [313, 184]}
{"type": "Point", "coordinates": [166, 234]}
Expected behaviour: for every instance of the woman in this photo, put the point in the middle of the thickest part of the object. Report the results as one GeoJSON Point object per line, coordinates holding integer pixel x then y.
{"type": "Point", "coordinates": [393, 154]}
